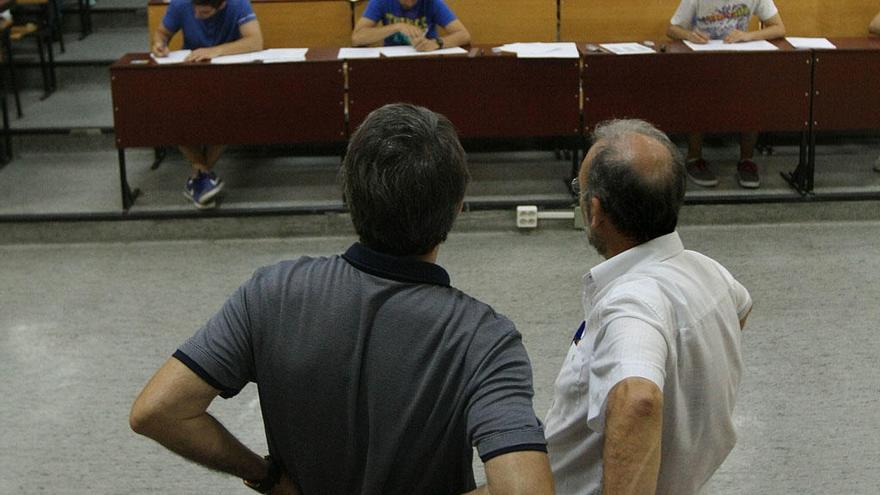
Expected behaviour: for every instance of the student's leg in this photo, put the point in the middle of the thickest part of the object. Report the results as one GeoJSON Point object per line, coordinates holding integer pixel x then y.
{"type": "Point", "coordinates": [747, 170]}
{"type": "Point", "coordinates": [697, 169]}
{"type": "Point", "coordinates": [695, 146]}
{"type": "Point", "coordinates": [212, 154]}
{"type": "Point", "coordinates": [196, 157]}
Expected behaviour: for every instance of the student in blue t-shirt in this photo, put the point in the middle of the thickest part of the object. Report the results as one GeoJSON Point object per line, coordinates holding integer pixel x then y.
{"type": "Point", "coordinates": [211, 28]}
{"type": "Point", "coordinates": [409, 22]}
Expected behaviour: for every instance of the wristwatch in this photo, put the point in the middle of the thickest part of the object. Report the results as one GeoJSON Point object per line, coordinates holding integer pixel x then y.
{"type": "Point", "coordinates": [266, 484]}
{"type": "Point", "coordinates": [439, 41]}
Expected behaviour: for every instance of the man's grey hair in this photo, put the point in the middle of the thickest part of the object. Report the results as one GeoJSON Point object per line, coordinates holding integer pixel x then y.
{"type": "Point", "coordinates": [643, 202]}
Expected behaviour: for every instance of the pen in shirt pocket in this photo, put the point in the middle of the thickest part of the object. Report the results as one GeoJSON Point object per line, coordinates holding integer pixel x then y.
{"type": "Point", "coordinates": [579, 333]}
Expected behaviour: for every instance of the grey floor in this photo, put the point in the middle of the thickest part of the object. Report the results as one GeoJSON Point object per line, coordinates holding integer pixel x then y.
{"type": "Point", "coordinates": [82, 327]}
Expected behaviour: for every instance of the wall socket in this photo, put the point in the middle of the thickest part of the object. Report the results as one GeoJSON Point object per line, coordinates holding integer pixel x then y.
{"type": "Point", "coordinates": [527, 217]}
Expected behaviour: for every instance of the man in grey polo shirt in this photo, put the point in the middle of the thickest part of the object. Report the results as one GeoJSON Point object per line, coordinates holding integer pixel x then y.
{"type": "Point", "coordinates": [375, 375]}
{"type": "Point", "coordinates": [644, 401]}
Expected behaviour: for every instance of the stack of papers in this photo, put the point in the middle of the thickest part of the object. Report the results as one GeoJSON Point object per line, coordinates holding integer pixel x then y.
{"type": "Point", "coordinates": [721, 46]}
{"type": "Point", "coordinates": [810, 43]}
{"type": "Point", "coordinates": [174, 57]}
{"type": "Point", "coordinates": [542, 50]}
{"type": "Point", "coordinates": [409, 51]}
{"type": "Point", "coordinates": [352, 53]}
{"type": "Point", "coordinates": [626, 48]}
{"type": "Point", "coordinates": [272, 55]}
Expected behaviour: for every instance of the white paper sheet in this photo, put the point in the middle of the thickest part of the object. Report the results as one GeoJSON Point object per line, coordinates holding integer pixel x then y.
{"type": "Point", "coordinates": [626, 48]}
{"type": "Point", "coordinates": [721, 46]}
{"type": "Point", "coordinates": [542, 50]}
{"type": "Point", "coordinates": [268, 56]}
{"type": "Point", "coordinates": [353, 53]}
{"type": "Point", "coordinates": [174, 57]}
{"type": "Point", "coordinates": [809, 43]}
{"type": "Point", "coordinates": [409, 51]}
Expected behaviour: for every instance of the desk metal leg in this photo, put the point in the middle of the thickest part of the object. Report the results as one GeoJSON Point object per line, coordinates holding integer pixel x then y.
{"type": "Point", "coordinates": [85, 18]}
{"type": "Point", "coordinates": [159, 155]}
{"type": "Point", "coordinates": [128, 195]}
{"type": "Point", "coordinates": [801, 179]}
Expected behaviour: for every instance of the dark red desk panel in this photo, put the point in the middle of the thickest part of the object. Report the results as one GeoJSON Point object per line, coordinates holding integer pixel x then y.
{"type": "Point", "coordinates": [201, 103]}
{"type": "Point", "coordinates": [680, 90]}
{"type": "Point", "coordinates": [847, 85]}
{"type": "Point", "coordinates": [486, 95]}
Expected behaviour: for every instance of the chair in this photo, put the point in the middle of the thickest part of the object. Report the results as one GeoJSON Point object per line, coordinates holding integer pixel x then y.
{"type": "Point", "coordinates": [43, 36]}
{"type": "Point", "coordinates": [43, 13]}
{"type": "Point", "coordinates": [5, 29]}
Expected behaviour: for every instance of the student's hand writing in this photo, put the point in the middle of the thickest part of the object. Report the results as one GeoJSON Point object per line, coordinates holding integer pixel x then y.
{"type": "Point", "coordinates": [427, 45]}
{"type": "Point", "coordinates": [200, 54]}
{"type": "Point", "coordinates": [737, 36]}
{"type": "Point", "coordinates": [697, 36]}
{"type": "Point", "coordinates": [414, 34]}
{"type": "Point", "coordinates": [160, 49]}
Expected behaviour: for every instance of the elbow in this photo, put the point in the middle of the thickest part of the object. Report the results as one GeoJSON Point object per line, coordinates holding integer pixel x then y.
{"type": "Point", "coordinates": [670, 32]}
{"type": "Point", "coordinates": [637, 400]}
{"type": "Point", "coordinates": [143, 420]}
{"type": "Point", "coordinates": [874, 28]}
{"type": "Point", "coordinates": [466, 37]}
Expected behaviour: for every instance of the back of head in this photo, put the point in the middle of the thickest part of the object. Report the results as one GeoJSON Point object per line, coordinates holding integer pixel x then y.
{"type": "Point", "coordinates": [638, 175]}
{"type": "Point", "coordinates": [404, 176]}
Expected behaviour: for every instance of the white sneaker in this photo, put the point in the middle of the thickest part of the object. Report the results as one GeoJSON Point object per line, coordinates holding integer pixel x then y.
{"type": "Point", "coordinates": [877, 164]}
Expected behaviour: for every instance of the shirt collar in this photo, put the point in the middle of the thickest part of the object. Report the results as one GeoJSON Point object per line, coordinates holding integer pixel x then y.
{"type": "Point", "coordinates": [399, 268]}
{"type": "Point", "coordinates": [656, 250]}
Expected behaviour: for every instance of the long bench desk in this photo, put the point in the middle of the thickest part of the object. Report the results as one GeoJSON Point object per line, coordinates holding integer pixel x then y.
{"type": "Point", "coordinates": [163, 105]}
{"type": "Point", "coordinates": [845, 97]}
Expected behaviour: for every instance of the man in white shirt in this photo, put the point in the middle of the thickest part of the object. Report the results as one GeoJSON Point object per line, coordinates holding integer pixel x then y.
{"type": "Point", "coordinates": [644, 401]}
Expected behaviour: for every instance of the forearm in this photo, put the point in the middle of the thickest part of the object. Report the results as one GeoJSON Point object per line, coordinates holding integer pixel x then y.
{"type": "Point", "coordinates": [631, 455]}
{"type": "Point", "coordinates": [874, 28]}
{"type": "Point", "coordinates": [457, 38]}
{"type": "Point", "coordinates": [242, 45]}
{"type": "Point", "coordinates": [677, 32]}
{"type": "Point", "coordinates": [369, 35]}
{"type": "Point", "coordinates": [769, 33]}
{"type": "Point", "coordinates": [204, 440]}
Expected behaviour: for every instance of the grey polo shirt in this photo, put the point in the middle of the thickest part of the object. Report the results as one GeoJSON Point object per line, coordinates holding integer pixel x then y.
{"type": "Point", "coordinates": [374, 374]}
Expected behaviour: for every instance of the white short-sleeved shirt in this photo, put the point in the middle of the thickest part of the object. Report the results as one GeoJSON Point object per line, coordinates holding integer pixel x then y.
{"type": "Point", "coordinates": [668, 315]}
{"type": "Point", "coordinates": [718, 17]}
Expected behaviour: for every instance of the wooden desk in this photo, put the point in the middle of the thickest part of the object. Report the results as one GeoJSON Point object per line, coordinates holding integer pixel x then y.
{"type": "Point", "coordinates": [284, 23]}
{"type": "Point", "coordinates": [681, 90]}
{"type": "Point", "coordinates": [164, 105]}
{"type": "Point", "coordinates": [846, 92]}
{"type": "Point", "coordinates": [486, 95]}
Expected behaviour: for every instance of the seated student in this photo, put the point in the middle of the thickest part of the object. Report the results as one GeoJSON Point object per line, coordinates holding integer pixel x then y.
{"type": "Point", "coordinates": [211, 28]}
{"type": "Point", "coordinates": [409, 22]}
{"type": "Point", "coordinates": [699, 21]}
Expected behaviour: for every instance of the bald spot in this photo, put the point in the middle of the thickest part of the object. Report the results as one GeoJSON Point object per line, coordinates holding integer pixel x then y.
{"type": "Point", "coordinates": [648, 157]}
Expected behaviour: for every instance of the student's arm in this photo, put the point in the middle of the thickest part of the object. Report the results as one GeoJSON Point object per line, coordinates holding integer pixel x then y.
{"type": "Point", "coordinates": [679, 33]}
{"type": "Point", "coordinates": [874, 27]}
{"type": "Point", "coordinates": [456, 35]}
{"type": "Point", "coordinates": [633, 427]}
{"type": "Point", "coordinates": [160, 41]}
{"type": "Point", "coordinates": [251, 41]}
{"type": "Point", "coordinates": [517, 473]}
{"type": "Point", "coordinates": [773, 29]}
{"type": "Point", "coordinates": [367, 32]}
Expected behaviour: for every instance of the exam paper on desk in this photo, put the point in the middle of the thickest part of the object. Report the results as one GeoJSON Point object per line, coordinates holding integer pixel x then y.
{"type": "Point", "coordinates": [721, 46]}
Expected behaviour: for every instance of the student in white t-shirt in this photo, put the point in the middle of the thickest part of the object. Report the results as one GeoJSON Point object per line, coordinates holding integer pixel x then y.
{"type": "Point", "coordinates": [699, 21]}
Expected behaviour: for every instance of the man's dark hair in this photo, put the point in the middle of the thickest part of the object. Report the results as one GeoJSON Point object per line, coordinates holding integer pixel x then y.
{"type": "Point", "coordinates": [404, 177]}
{"type": "Point", "coordinates": [641, 205]}
{"type": "Point", "coordinates": [212, 3]}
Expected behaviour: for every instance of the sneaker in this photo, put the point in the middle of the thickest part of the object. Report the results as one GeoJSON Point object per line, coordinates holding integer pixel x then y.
{"type": "Point", "coordinates": [700, 173]}
{"type": "Point", "coordinates": [747, 174]}
{"type": "Point", "coordinates": [877, 165]}
{"type": "Point", "coordinates": [202, 189]}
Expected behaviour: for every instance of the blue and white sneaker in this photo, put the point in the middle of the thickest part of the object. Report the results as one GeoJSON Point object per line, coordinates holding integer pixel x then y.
{"type": "Point", "coordinates": [202, 189]}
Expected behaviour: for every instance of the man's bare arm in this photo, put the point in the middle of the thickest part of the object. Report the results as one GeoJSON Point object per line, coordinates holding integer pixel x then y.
{"type": "Point", "coordinates": [874, 27]}
{"type": "Point", "coordinates": [160, 41]}
{"type": "Point", "coordinates": [679, 33]}
{"type": "Point", "coordinates": [251, 41]}
{"type": "Point", "coordinates": [172, 410]}
{"type": "Point", "coordinates": [517, 473]}
{"type": "Point", "coordinates": [773, 29]}
{"type": "Point", "coordinates": [633, 427]}
{"type": "Point", "coordinates": [367, 32]}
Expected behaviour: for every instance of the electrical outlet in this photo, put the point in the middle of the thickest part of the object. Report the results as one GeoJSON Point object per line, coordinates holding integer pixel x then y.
{"type": "Point", "coordinates": [527, 217]}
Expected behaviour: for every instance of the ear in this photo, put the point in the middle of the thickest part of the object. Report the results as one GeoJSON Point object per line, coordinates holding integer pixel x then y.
{"type": "Point", "coordinates": [597, 215]}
